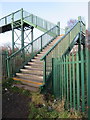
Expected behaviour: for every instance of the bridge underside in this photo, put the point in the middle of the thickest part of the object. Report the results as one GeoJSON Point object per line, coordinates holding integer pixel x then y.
{"type": "Point", "coordinates": [8, 27]}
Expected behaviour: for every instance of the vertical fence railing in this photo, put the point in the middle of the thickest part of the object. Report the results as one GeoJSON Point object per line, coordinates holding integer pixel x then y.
{"type": "Point", "coordinates": [4, 66]}
{"type": "Point", "coordinates": [60, 48]}
{"type": "Point", "coordinates": [67, 82]}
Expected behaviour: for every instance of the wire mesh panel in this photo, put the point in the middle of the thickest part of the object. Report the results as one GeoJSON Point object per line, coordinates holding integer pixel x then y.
{"type": "Point", "coordinates": [61, 46]}
{"type": "Point", "coordinates": [37, 44]}
{"type": "Point", "coordinates": [25, 13]}
{"type": "Point", "coordinates": [62, 31]}
{"type": "Point", "coordinates": [8, 19]}
{"type": "Point", "coordinates": [2, 22]}
{"type": "Point", "coordinates": [18, 59]}
{"type": "Point", "coordinates": [17, 15]}
{"type": "Point", "coordinates": [37, 21]}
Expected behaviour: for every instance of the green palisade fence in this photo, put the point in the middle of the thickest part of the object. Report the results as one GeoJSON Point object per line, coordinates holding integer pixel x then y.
{"type": "Point", "coordinates": [70, 81]}
{"type": "Point", "coordinates": [4, 65]}
{"type": "Point", "coordinates": [61, 47]}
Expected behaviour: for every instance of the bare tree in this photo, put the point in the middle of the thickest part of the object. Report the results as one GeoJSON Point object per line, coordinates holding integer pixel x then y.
{"type": "Point", "coordinates": [70, 24]}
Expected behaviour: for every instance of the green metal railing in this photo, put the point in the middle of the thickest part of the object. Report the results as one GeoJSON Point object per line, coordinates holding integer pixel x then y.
{"type": "Point", "coordinates": [18, 59]}
{"type": "Point", "coordinates": [8, 19]}
{"type": "Point", "coordinates": [4, 55]}
{"type": "Point", "coordinates": [29, 18]}
{"type": "Point", "coordinates": [68, 82]}
{"type": "Point", "coordinates": [38, 22]}
{"type": "Point", "coordinates": [60, 47]}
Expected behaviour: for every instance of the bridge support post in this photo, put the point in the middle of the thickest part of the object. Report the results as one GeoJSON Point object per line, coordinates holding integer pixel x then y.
{"type": "Point", "coordinates": [12, 33]}
{"type": "Point", "coordinates": [79, 44]}
{"type": "Point", "coordinates": [88, 44]}
{"type": "Point", "coordinates": [81, 57]}
{"type": "Point", "coordinates": [88, 67]}
{"type": "Point", "coordinates": [22, 35]}
{"type": "Point", "coordinates": [58, 24]}
{"type": "Point", "coordinates": [32, 37]}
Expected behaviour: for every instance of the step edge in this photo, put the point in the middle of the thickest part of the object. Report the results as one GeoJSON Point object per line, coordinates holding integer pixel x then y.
{"type": "Point", "coordinates": [27, 81]}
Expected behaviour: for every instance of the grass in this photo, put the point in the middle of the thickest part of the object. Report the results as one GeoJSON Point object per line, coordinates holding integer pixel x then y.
{"type": "Point", "coordinates": [42, 105]}
{"type": "Point", "coordinates": [9, 85]}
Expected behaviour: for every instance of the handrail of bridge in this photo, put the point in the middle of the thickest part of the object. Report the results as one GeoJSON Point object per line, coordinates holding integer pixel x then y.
{"type": "Point", "coordinates": [28, 18]}
{"type": "Point", "coordinates": [8, 19]}
{"type": "Point", "coordinates": [60, 47]}
{"type": "Point", "coordinates": [38, 22]}
{"type": "Point", "coordinates": [21, 57]}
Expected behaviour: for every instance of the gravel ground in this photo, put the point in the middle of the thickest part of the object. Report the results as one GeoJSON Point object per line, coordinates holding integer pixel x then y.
{"type": "Point", "coordinates": [15, 105]}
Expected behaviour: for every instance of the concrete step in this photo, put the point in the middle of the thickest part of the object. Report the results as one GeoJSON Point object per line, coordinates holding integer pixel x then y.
{"type": "Point", "coordinates": [51, 44]}
{"type": "Point", "coordinates": [36, 65]}
{"type": "Point", "coordinates": [37, 57]}
{"type": "Point", "coordinates": [32, 74]}
{"type": "Point", "coordinates": [35, 72]}
{"type": "Point", "coordinates": [28, 82]}
{"type": "Point", "coordinates": [35, 62]}
{"type": "Point", "coordinates": [33, 68]}
{"type": "Point", "coordinates": [30, 77]}
{"type": "Point", "coordinates": [26, 87]}
{"type": "Point", "coordinates": [40, 54]}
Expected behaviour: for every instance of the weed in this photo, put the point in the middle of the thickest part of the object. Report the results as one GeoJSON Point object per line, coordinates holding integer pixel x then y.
{"type": "Point", "coordinates": [42, 105]}
{"type": "Point", "coordinates": [40, 108]}
{"type": "Point", "coordinates": [38, 98]}
{"type": "Point", "coordinates": [9, 85]}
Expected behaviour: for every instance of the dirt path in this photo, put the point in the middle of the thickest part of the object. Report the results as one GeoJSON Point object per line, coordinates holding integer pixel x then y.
{"type": "Point", "coordinates": [15, 105]}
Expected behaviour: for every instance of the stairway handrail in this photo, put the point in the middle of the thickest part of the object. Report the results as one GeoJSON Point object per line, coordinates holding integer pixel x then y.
{"type": "Point", "coordinates": [11, 14]}
{"type": "Point", "coordinates": [61, 39]}
{"type": "Point", "coordinates": [38, 17]}
{"type": "Point", "coordinates": [15, 53]}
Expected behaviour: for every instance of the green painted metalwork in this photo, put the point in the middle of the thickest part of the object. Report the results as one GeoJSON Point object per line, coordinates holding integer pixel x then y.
{"type": "Point", "coordinates": [70, 83]}
{"type": "Point", "coordinates": [64, 79]}
{"type": "Point", "coordinates": [44, 66]}
{"type": "Point", "coordinates": [17, 58]}
{"type": "Point", "coordinates": [82, 81]}
{"type": "Point", "coordinates": [19, 22]}
{"type": "Point", "coordinates": [22, 35]}
{"type": "Point", "coordinates": [69, 80]}
{"type": "Point", "coordinates": [67, 98]}
{"type": "Point", "coordinates": [74, 85]}
{"type": "Point", "coordinates": [78, 82]}
{"type": "Point", "coordinates": [70, 65]}
{"type": "Point", "coordinates": [28, 17]}
{"type": "Point", "coordinates": [38, 22]}
{"type": "Point", "coordinates": [12, 32]}
{"type": "Point", "coordinates": [88, 83]}
{"type": "Point", "coordinates": [58, 24]}
{"type": "Point", "coordinates": [61, 46]}
{"type": "Point", "coordinates": [60, 76]}
{"type": "Point", "coordinates": [32, 37]}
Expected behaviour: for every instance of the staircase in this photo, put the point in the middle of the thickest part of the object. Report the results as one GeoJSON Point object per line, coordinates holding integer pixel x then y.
{"type": "Point", "coordinates": [31, 75]}
{"type": "Point", "coordinates": [32, 64]}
